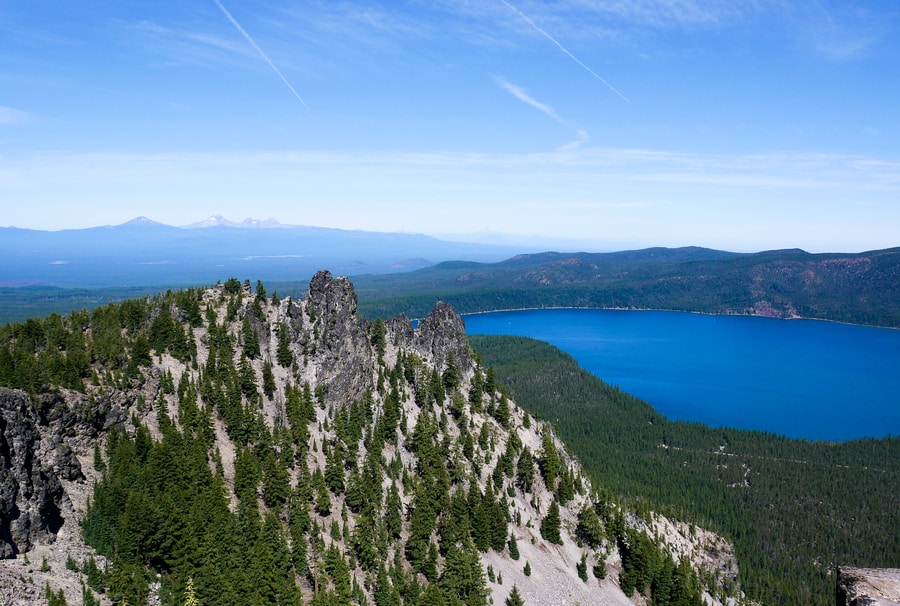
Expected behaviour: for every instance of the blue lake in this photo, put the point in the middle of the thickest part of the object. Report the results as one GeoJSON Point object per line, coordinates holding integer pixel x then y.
{"type": "Point", "coordinates": [800, 378]}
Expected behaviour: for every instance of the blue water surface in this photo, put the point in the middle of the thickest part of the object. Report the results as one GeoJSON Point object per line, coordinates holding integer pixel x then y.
{"type": "Point", "coordinates": [801, 378]}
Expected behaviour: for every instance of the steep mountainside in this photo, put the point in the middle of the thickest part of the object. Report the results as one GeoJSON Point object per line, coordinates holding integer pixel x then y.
{"type": "Point", "coordinates": [860, 288]}
{"type": "Point", "coordinates": [227, 447]}
{"type": "Point", "coordinates": [795, 509]}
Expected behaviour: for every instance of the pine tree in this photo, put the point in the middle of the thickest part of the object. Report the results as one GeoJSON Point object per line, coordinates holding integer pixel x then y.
{"type": "Point", "coordinates": [334, 467]}
{"type": "Point", "coordinates": [513, 547]}
{"type": "Point", "coordinates": [481, 518]}
{"type": "Point", "coordinates": [549, 461]}
{"type": "Point", "coordinates": [323, 499]}
{"type": "Point", "coordinates": [268, 380]}
{"type": "Point", "coordinates": [275, 481]}
{"type": "Point", "coordinates": [685, 586]}
{"type": "Point", "coordinates": [363, 540]}
{"type": "Point", "coordinates": [251, 339]}
{"type": "Point", "coordinates": [525, 471]}
{"type": "Point", "coordinates": [463, 576]}
{"type": "Point", "coordinates": [87, 596]}
{"type": "Point", "coordinates": [434, 595]}
{"type": "Point", "coordinates": [378, 333]}
{"type": "Point", "coordinates": [501, 412]}
{"type": "Point", "coordinates": [393, 524]}
{"type": "Point", "coordinates": [391, 416]}
{"type": "Point", "coordinates": [514, 599]}
{"type": "Point", "coordinates": [590, 529]}
{"type": "Point", "coordinates": [661, 585]}
{"type": "Point", "coordinates": [339, 570]}
{"type": "Point", "coordinates": [450, 375]}
{"type": "Point", "coordinates": [490, 382]}
{"type": "Point", "coordinates": [283, 353]}
{"type": "Point", "coordinates": [385, 594]}
{"type": "Point", "coordinates": [54, 599]}
{"type": "Point", "coordinates": [99, 464]}
{"type": "Point", "coordinates": [421, 525]}
{"type": "Point", "coordinates": [581, 567]}
{"type": "Point", "coordinates": [566, 489]}
{"type": "Point", "coordinates": [550, 525]}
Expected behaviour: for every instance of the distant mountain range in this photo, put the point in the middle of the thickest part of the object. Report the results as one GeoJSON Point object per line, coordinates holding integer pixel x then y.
{"type": "Point", "coordinates": [398, 272]}
{"type": "Point", "coordinates": [220, 221]}
{"type": "Point", "coordinates": [143, 252]}
{"type": "Point", "coordinates": [861, 288]}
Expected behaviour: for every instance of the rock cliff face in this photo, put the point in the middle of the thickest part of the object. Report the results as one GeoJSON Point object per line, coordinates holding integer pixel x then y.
{"type": "Point", "coordinates": [868, 586]}
{"type": "Point", "coordinates": [337, 338]}
{"type": "Point", "coordinates": [30, 491]}
{"type": "Point", "coordinates": [39, 438]}
{"type": "Point", "coordinates": [441, 336]}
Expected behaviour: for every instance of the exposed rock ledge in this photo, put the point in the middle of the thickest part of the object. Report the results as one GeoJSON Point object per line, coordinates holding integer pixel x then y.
{"type": "Point", "coordinates": [868, 586]}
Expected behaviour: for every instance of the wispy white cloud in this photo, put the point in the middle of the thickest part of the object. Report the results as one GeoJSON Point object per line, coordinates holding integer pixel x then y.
{"type": "Point", "coordinates": [572, 146]}
{"type": "Point", "coordinates": [179, 45]}
{"type": "Point", "coordinates": [370, 22]}
{"type": "Point", "coordinates": [14, 117]}
{"type": "Point", "coordinates": [589, 19]}
{"type": "Point", "coordinates": [519, 93]}
{"type": "Point", "coordinates": [667, 13]}
{"type": "Point", "coordinates": [782, 169]}
{"type": "Point", "coordinates": [841, 32]}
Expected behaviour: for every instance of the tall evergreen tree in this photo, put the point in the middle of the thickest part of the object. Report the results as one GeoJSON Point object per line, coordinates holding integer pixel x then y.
{"type": "Point", "coordinates": [463, 576]}
{"type": "Point", "coordinates": [283, 353]}
{"type": "Point", "coordinates": [251, 339]}
{"type": "Point", "coordinates": [550, 525]}
{"type": "Point", "coordinates": [549, 461]}
{"type": "Point", "coordinates": [393, 506]}
{"type": "Point", "coordinates": [268, 377]}
{"type": "Point", "coordinates": [525, 471]}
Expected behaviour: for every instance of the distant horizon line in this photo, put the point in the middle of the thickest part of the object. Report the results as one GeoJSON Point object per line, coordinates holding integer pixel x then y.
{"type": "Point", "coordinates": [484, 237]}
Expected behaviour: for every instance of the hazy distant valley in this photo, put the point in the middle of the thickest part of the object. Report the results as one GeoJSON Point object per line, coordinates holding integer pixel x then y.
{"type": "Point", "coordinates": [142, 252]}
{"type": "Point", "coordinates": [44, 271]}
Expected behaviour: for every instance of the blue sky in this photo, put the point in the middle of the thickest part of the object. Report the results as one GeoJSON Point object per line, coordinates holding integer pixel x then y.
{"type": "Point", "coordinates": [734, 124]}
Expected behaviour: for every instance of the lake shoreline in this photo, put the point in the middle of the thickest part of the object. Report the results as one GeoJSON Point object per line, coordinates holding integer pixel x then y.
{"type": "Point", "coordinates": [822, 381]}
{"type": "Point", "coordinates": [682, 311]}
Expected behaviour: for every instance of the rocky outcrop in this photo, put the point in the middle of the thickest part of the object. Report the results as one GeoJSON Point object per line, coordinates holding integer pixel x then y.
{"type": "Point", "coordinates": [868, 586]}
{"type": "Point", "coordinates": [339, 338]}
{"type": "Point", "coordinates": [401, 330]}
{"type": "Point", "coordinates": [442, 335]}
{"type": "Point", "coordinates": [30, 491]}
{"type": "Point", "coordinates": [39, 437]}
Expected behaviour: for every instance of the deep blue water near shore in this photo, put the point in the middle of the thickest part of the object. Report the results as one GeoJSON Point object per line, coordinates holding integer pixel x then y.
{"type": "Point", "coordinates": [800, 378]}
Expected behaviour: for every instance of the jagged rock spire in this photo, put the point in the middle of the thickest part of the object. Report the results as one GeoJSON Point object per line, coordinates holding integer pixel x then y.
{"type": "Point", "coordinates": [442, 333]}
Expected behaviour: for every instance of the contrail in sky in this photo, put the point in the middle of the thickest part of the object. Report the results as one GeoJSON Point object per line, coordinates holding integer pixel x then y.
{"type": "Point", "coordinates": [561, 47]}
{"type": "Point", "coordinates": [261, 53]}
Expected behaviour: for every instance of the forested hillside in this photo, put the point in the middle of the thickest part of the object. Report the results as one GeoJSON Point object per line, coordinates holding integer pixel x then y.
{"type": "Point", "coordinates": [793, 508]}
{"type": "Point", "coordinates": [225, 446]}
{"type": "Point", "coordinates": [859, 288]}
